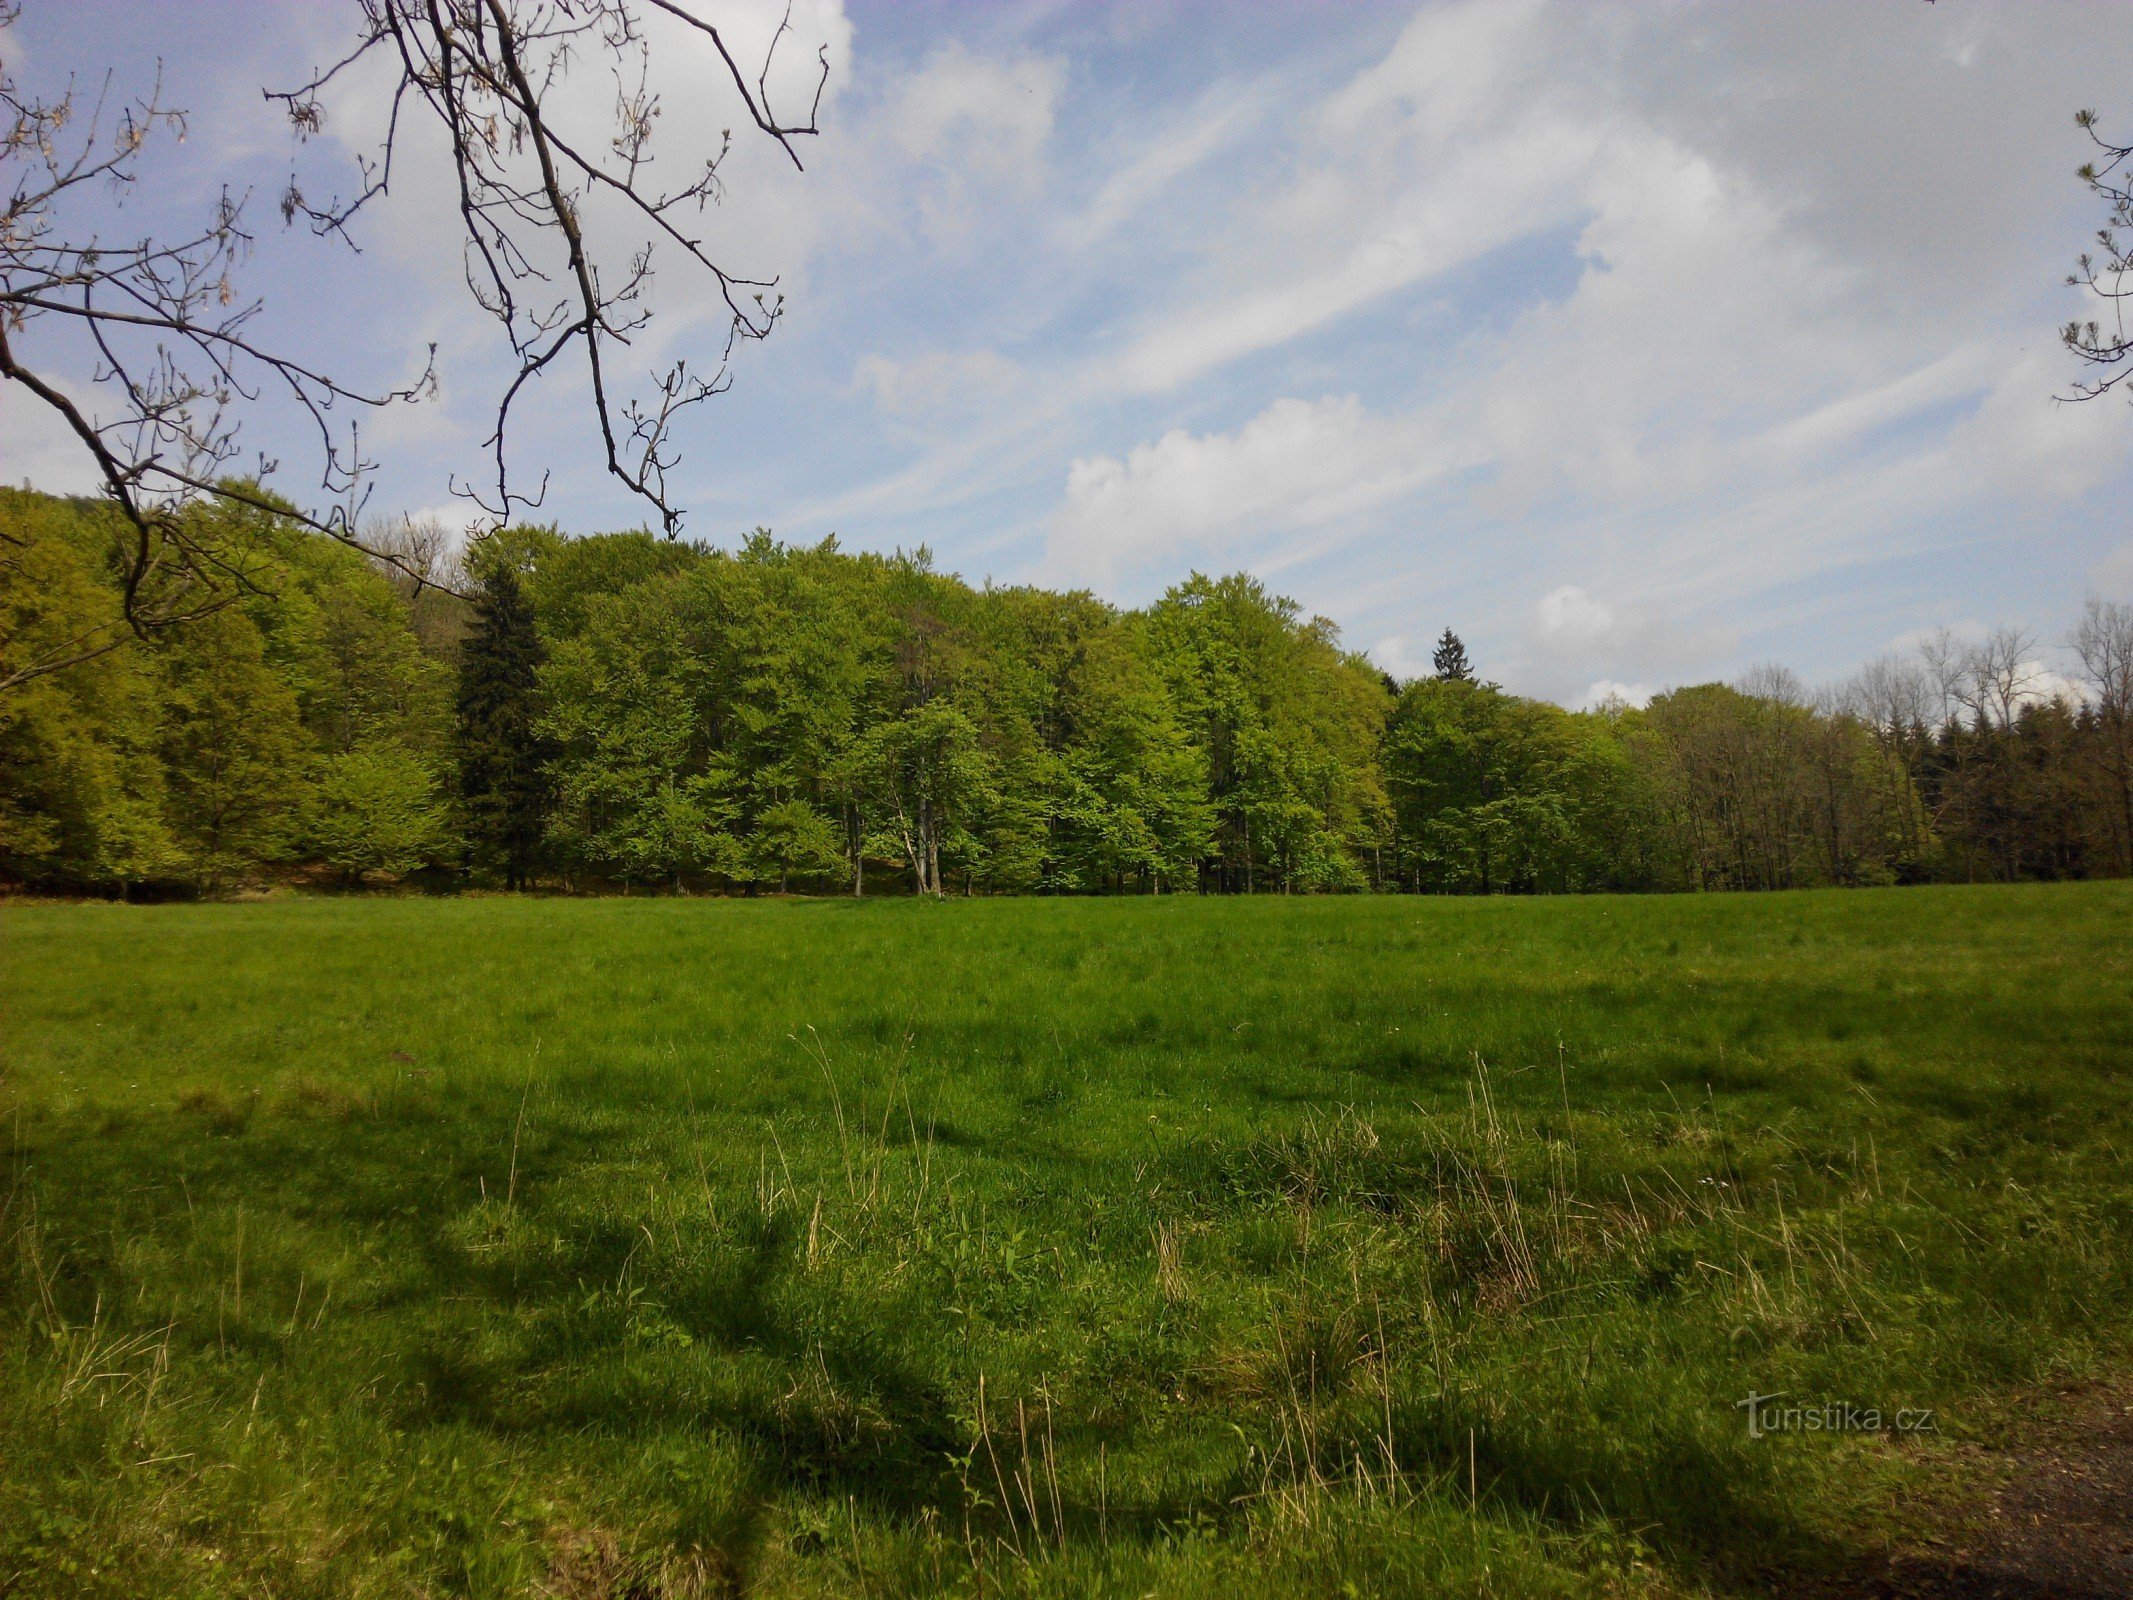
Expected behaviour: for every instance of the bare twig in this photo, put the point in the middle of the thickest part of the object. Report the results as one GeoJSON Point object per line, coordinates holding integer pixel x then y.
{"type": "Point", "coordinates": [177, 366]}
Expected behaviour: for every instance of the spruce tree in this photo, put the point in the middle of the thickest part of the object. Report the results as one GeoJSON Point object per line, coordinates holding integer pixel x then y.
{"type": "Point", "coordinates": [502, 760]}
{"type": "Point", "coordinates": [1450, 659]}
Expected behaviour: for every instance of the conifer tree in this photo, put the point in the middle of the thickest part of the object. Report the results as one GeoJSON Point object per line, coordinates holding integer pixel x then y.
{"type": "Point", "coordinates": [502, 761]}
{"type": "Point", "coordinates": [1449, 659]}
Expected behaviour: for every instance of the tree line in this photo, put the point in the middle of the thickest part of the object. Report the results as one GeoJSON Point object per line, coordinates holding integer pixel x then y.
{"type": "Point", "coordinates": [624, 711]}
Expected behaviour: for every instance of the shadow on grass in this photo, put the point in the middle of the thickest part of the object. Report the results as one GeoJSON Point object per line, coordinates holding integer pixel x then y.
{"type": "Point", "coordinates": [822, 1400]}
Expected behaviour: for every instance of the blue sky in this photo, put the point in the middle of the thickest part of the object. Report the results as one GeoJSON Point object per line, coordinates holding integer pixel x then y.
{"type": "Point", "coordinates": [1638, 343]}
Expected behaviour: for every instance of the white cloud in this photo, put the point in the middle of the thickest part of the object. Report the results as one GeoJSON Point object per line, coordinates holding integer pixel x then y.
{"type": "Point", "coordinates": [1704, 350]}
{"type": "Point", "coordinates": [2023, 438]}
{"type": "Point", "coordinates": [1298, 464]}
{"type": "Point", "coordinates": [1569, 619]}
{"type": "Point", "coordinates": [1470, 207]}
{"type": "Point", "coordinates": [36, 445]}
{"type": "Point", "coordinates": [1426, 161]}
{"type": "Point", "coordinates": [1157, 166]}
{"type": "Point", "coordinates": [457, 517]}
{"type": "Point", "coordinates": [955, 136]}
{"type": "Point", "coordinates": [984, 114]}
{"type": "Point", "coordinates": [1574, 633]}
{"type": "Point", "coordinates": [1852, 417]}
{"type": "Point", "coordinates": [1445, 74]}
{"type": "Point", "coordinates": [935, 381]}
{"type": "Point", "coordinates": [1692, 276]}
{"type": "Point", "coordinates": [1730, 394]}
{"type": "Point", "coordinates": [1396, 656]}
{"type": "Point", "coordinates": [1696, 322]}
{"type": "Point", "coordinates": [2043, 684]}
{"type": "Point", "coordinates": [1606, 692]}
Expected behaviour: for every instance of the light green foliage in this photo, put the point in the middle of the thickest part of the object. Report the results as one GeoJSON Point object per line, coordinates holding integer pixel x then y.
{"type": "Point", "coordinates": [1279, 1247]}
{"type": "Point", "coordinates": [623, 710]}
{"type": "Point", "coordinates": [804, 701]}
{"type": "Point", "coordinates": [1495, 793]}
{"type": "Point", "coordinates": [1287, 727]}
{"type": "Point", "coordinates": [566, 576]}
{"type": "Point", "coordinates": [376, 810]}
{"type": "Point", "coordinates": [797, 639]}
{"type": "Point", "coordinates": [365, 678]}
{"type": "Point", "coordinates": [81, 791]}
{"type": "Point", "coordinates": [626, 710]}
{"type": "Point", "coordinates": [192, 758]}
{"type": "Point", "coordinates": [703, 709]}
{"type": "Point", "coordinates": [921, 773]}
{"type": "Point", "coordinates": [232, 745]}
{"type": "Point", "coordinates": [792, 839]}
{"type": "Point", "coordinates": [1132, 805]}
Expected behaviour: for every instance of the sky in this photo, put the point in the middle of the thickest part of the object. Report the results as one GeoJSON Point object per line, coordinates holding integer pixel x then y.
{"type": "Point", "coordinates": [1640, 344]}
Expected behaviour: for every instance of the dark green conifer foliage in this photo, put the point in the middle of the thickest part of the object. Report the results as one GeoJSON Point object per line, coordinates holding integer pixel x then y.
{"type": "Point", "coordinates": [502, 758]}
{"type": "Point", "coordinates": [1449, 659]}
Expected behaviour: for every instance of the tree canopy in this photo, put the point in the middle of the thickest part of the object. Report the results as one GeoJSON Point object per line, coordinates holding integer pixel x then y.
{"type": "Point", "coordinates": [627, 711]}
{"type": "Point", "coordinates": [565, 208]}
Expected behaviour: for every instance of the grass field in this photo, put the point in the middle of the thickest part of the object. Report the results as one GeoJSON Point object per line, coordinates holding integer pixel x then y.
{"type": "Point", "coordinates": [1318, 1247]}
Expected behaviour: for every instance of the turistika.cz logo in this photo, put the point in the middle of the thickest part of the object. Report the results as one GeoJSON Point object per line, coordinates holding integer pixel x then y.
{"type": "Point", "coordinates": [1768, 1414]}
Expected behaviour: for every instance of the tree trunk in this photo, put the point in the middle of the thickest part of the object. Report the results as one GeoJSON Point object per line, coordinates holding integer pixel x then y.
{"type": "Point", "coordinates": [2124, 774]}
{"type": "Point", "coordinates": [917, 847]}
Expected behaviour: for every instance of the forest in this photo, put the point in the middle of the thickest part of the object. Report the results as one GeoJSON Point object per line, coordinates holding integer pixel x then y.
{"type": "Point", "coordinates": [629, 712]}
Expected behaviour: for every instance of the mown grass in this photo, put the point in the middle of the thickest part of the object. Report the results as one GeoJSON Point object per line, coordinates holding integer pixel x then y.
{"type": "Point", "coordinates": [1312, 1247]}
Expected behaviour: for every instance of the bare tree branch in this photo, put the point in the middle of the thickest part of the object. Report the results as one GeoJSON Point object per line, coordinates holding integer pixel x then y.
{"type": "Point", "coordinates": [2103, 341]}
{"type": "Point", "coordinates": [174, 355]}
{"type": "Point", "coordinates": [486, 70]}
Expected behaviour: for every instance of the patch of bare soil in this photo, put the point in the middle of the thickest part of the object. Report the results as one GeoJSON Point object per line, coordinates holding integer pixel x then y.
{"type": "Point", "coordinates": [2050, 1516]}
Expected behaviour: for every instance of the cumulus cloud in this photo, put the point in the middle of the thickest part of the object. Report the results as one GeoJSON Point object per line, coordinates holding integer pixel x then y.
{"type": "Point", "coordinates": [1632, 383]}
{"type": "Point", "coordinates": [1569, 619]}
{"type": "Point", "coordinates": [1400, 657]}
{"type": "Point", "coordinates": [1574, 632]}
{"type": "Point", "coordinates": [1298, 464]}
{"type": "Point", "coordinates": [1607, 692]}
{"type": "Point", "coordinates": [2043, 684]}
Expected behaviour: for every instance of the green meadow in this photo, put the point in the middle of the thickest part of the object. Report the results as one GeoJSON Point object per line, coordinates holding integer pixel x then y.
{"type": "Point", "coordinates": [1335, 1247]}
